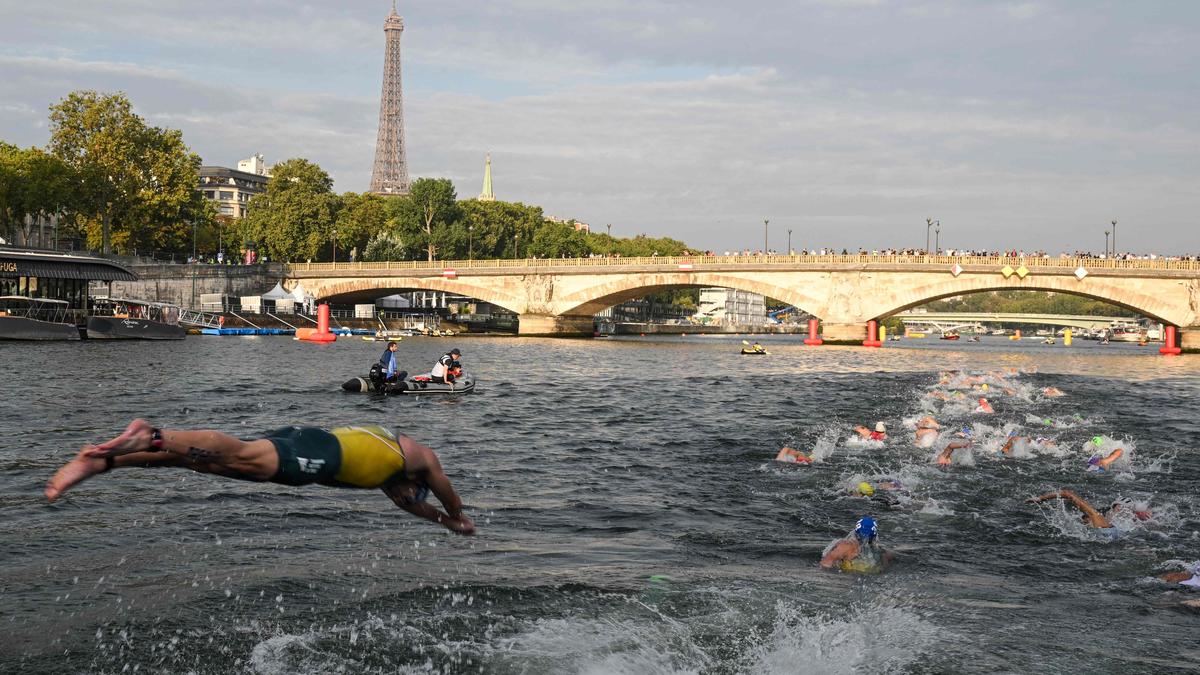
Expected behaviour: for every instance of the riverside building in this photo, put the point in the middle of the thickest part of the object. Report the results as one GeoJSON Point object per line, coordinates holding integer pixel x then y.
{"type": "Point", "coordinates": [232, 189]}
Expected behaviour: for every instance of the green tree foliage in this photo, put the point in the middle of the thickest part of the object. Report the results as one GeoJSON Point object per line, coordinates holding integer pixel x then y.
{"type": "Point", "coordinates": [294, 218]}
{"type": "Point", "coordinates": [425, 215]}
{"type": "Point", "coordinates": [34, 185]}
{"type": "Point", "coordinates": [136, 184]}
{"type": "Point", "coordinates": [361, 217]}
{"type": "Point", "coordinates": [556, 240]}
{"type": "Point", "coordinates": [639, 246]}
{"type": "Point", "coordinates": [1027, 302]}
{"type": "Point", "coordinates": [388, 245]}
{"type": "Point", "coordinates": [495, 229]}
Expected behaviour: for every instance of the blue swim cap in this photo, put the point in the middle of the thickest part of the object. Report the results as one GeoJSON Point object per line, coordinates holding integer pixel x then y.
{"type": "Point", "coordinates": [865, 528]}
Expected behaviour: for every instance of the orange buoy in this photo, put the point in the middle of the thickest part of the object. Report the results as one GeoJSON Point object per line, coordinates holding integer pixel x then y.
{"type": "Point", "coordinates": [321, 334]}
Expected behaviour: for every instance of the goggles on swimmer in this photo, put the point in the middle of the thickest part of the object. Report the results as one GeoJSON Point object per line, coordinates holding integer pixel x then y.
{"type": "Point", "coordinates": [419, 495]}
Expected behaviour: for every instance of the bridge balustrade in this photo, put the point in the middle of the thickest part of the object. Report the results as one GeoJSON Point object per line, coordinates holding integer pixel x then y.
{"type": "Point", "coordinates": [939, 261]}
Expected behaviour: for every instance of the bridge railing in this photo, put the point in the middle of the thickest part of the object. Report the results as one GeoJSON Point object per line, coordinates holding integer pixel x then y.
{"type": "Point", "coordinates": [695, 262]}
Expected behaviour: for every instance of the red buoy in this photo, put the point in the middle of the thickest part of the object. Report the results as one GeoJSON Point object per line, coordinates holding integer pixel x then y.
{"type": "Point", "coordinates": [321, 334]}
{"type": "Point", "coordinates": [1169, 348]}
{"type": "Point", "coordinates": [872, 335]}
{"type": "Point", "coordinates": [812, 338]}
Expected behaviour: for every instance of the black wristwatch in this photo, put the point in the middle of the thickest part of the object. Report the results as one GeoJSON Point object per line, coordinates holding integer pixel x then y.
{"type": "Point", "coordinates": [156, 440]}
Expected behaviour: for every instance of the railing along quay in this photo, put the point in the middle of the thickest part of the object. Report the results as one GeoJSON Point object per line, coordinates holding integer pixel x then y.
{"type": "Point", "coordinates": [696, 262]}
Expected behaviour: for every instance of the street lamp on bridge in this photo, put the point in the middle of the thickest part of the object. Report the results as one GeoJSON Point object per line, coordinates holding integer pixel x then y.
{"type": "Point", "coordinates": [1114, 252]}
{"type": "Point", "coordinates": [929, 222]}
{"type": "Point", "coordinates": [470, 242]}
{"type": "Point", "coordinates": [790, 243]}
{"type": "Point", "coordinates": [937, 233]}
{"type": "Point", "coordinates": [765, 246]}
{"type": "Point", "coordinates": [1106, 243]}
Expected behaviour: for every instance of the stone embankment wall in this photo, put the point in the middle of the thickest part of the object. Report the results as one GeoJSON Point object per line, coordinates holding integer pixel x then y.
{"type": "Point", "coordinates": [174, 282]}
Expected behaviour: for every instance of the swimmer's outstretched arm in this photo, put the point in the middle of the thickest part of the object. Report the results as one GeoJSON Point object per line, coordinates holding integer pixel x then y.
{"type": "Point", "coordinates": [1176, 577]}
{"type": "Point", "coordinates": [422, 462]}
{"type": "Point", "coordinates": [1094, 517]}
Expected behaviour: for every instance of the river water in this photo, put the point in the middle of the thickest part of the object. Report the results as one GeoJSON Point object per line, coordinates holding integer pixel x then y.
{"type": "Point", "coordinates": [630, 517]}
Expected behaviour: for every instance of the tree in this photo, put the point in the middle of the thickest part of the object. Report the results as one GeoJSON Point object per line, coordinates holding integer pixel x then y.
{"type": "Point", "coordinates": [433, 204]}
{"type": "Point", "coordinates": [388, 245]}
{"type": "Point", "coordinates": [294, 218]}
{"type": "Point", "coordinates": [360, 218]}
{"type": "Point", "coordinates": [34, 186]}
{"type": "Point", "coordinates": [553, 240]}
{"type": "Point", "coordinates": [136, 183]}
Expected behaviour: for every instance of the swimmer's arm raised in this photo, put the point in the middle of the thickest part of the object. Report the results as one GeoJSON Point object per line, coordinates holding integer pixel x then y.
{"type": "Point", "coordinates": [843, 550]}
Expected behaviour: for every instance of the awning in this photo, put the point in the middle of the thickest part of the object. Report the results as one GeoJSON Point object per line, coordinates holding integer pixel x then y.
{"type": "Point", "coordinates": [16, 263]}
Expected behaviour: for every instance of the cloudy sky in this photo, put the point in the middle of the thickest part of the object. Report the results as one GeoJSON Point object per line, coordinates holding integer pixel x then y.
{"type": "Point", "coordinates": [1016, 124]}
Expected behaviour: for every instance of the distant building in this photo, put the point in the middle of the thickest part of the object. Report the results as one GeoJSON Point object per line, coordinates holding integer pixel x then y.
{"type": "Point", "coordinates": [729, 307]}
{"type": "Point", "coordinates": [579, 227]}
{"type": "Point", "coordinates": [232, 189]}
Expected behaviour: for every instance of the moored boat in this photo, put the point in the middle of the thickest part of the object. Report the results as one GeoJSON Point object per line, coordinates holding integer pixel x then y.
{"type": "Point", "coordinates": [25, 318]}
{"type": "Point", "coordinates": [121, 319]}
{"type": "Point", "coordinates": [950, 336]}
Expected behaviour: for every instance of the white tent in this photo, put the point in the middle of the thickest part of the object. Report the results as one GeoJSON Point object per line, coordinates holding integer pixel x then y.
{"type": "Point", "coordinates": [300, 295]}
{"type": "Point", "coordinates": [276, 293]}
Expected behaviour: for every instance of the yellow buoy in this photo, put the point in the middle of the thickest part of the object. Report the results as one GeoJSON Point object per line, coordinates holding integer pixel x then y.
{"type": "Point", "coordinates": [883, 333]}
{"type": "Point", "coordinates": [1067, 337]}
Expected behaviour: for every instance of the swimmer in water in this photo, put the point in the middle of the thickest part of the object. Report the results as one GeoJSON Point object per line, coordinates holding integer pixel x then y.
{"type": "Point", "coordinates": [879, 434]}
{"type": "Point", "coordinates": [1185, 578]}
{"type": "Point", "coordinates": [984, 406]}
{"type": "Point", "coordinates": [963, 441]}
{"type": "Point", "coordinates": [1091, 516]}
{"type": "Point", "coordinates": [1013, 438]}
{"type": "Point", "coordinates": [926, 432]}
{"type": "Point", "coordinates": [1052, 392]}
{"type": "Point", "coordinates": [1099, 464]}
{"type": "Point", "coordinates": [858, 551]}
{"type": "Point", "coordinates": [792, 456]}
{"type": "Point", "coordinates": [345, 457]}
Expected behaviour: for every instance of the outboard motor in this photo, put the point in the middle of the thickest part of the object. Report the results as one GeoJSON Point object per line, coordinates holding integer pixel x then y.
{"type": "Point", "coordinates": [376, 375]}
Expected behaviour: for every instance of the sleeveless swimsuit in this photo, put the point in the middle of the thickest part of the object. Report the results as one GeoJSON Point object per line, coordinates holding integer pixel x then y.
{"type": "Point", "coordinates": [358, 457]}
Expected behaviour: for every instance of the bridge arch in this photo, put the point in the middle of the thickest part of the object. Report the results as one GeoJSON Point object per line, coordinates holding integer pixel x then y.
{"type": "Point", "coordinates": [596, 298]}
{"type": "Point", "coordinates": [1111, 291]}
{"type": "Point", "coordinates": [373, 289]}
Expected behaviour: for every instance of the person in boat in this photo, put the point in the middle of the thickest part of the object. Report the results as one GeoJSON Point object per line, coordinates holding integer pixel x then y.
{"type": "Point", "coordinates": [927, 432]}
{"type": "Point", "coordinates": [757, 348]}
{"type": "Point", "coordinates": [792, 456]}
{"type": "Point", "coordinates": [1099, 464]}
{"type": "Point", "coordinates": [963, 440]}
{"type": "Point", "coordinates": [347, 457]}
{"type": "Point", "coordinates": [387, 363]}
{"type": "Point", "coordinates": [858, 551]}
{"type": "Point", "coordinates": [879, 434]}
{"type": "Point", "coordinates": [1097, 518]}
{"type": "Point", "coordinates": [442, 372]}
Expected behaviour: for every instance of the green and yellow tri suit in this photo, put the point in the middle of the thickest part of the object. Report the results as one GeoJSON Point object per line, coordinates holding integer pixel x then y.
{"type": "Point", "coordinates": [361, 457]}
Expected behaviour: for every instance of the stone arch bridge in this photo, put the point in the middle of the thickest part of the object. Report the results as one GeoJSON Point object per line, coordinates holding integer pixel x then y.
{"type": "Point", "coordinates": [559, 296]}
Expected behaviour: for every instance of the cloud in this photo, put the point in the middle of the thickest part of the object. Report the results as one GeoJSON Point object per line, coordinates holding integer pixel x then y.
{"type": "Point", "coordinates": [847, 122]}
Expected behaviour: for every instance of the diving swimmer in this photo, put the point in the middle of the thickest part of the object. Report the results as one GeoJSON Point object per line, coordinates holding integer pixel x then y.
{"type": "Point", "coordinates": [1184, 578]}
{"type": "Point", "coordinates": [1094, 518]}
{"type": "Point", "coordinates": [349, 457]}
{"type": "Point", "coordinates": [858, 551]}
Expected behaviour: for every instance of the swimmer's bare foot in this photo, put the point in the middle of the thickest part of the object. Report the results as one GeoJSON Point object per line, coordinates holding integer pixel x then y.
{"type": "Point", "coordinates": [75, 471]}
{"type": "Point", "coordinates": [135, 438]}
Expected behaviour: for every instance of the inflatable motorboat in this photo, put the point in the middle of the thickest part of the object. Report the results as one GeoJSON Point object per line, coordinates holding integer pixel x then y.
{"type": "Point", "coordinates": [749, 352]}
{"type": "Point", "coordinates": [417, 384]}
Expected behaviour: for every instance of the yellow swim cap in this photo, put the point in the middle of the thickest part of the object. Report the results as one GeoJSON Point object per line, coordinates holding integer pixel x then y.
{"type": "Point", "coordinates": [985, 386]}
{"type": "Point", "coordinates": [865, 488]}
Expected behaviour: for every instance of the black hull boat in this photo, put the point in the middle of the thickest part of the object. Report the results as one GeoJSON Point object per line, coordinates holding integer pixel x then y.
{"type": "Point", "coordinates": [25, 318]}
{"type": "Point", "coordinates": [123, 319]}
{"type": "Point", "coordinates": [465, 384]}
{"type": "Point", "coordinates": [113, 328]}
{"type": "Point", "coordinates": [21, 328]}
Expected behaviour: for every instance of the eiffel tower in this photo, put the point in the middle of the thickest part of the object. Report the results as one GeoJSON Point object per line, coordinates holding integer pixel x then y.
{"type": "Point", "coordinates": [390, 176]}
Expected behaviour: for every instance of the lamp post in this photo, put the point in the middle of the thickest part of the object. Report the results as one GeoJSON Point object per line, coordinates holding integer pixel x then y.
{"type": "Point", "coordinates": [937, 233]}
{"type": "Point", "coordinates": [335, 247]}
{"type": "Point", "coordinates": [609, 226]}
{"type": "Point", "coordinates": [1106, 243]}
{"type": "Point", "coordinates": [470, 242]}
{"type": "Point", "coordinates": [928, 224]}
{"type": "Point", "coordinates": [790, 242]}
{"type": "Point", "coordinates": [1114, 251]}
{"type": "Point", "coordinates": [765, 247]}
{"type": "Point", "coordinates": [193, 305]}
{"type": "Point", "coordinates": [515, 235]}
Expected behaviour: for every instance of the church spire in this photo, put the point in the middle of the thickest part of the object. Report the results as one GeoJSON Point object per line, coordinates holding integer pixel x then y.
{"type": "Point", "coordinates": [486, 195]}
